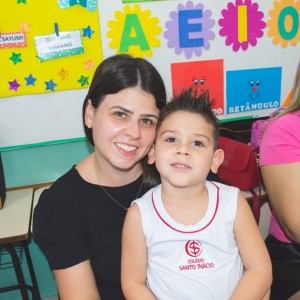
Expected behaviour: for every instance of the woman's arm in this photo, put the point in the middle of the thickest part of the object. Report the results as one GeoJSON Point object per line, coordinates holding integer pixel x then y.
{"type": "Point", "coordinates": [134, 258]}
{"type": "Point", "coordinates": [283, 189]}
{"type": "Point", "coordinates": [257, 277]}
{"type": "Point", "coordinates": [77, 282]}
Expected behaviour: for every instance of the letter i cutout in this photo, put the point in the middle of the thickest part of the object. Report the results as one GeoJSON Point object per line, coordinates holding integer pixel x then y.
{"type": "Point", "coordinates": [242, 23]}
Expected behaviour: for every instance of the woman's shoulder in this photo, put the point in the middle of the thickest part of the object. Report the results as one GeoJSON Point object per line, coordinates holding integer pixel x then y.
{"type": "Point", "coordinates": [286, 120]}
{"type": "Point", "coordinates": [283, 127]}
{"type": "Point", "coordinates": [66, 180]}
{"type": "Point", "coordinates": [280, 143]}
{"type": "Point", "coordinates": [63, 188]}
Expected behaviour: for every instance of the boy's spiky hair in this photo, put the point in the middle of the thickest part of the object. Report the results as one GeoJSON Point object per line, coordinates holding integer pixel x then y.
{"type": "Point", "coordinates": [187, 100]}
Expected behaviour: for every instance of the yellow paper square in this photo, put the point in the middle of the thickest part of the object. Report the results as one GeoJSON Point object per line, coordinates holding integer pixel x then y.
{"type": "Point", "coordinates": [37, 18]}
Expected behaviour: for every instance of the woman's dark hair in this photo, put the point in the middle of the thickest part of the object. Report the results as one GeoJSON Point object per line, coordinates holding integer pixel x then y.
{"type": "Point", "coordinates": [119, 72]}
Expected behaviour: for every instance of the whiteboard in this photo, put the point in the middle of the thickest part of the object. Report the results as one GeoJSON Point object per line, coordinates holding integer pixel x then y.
{"type": "Point", "coordinates": [32, 120]}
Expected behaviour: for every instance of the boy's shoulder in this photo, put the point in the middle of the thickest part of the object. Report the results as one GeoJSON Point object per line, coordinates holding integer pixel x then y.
{"type": "Point", "coordinates": [222, 186]}
{"type": "Point", "coordinates": [148, 195]}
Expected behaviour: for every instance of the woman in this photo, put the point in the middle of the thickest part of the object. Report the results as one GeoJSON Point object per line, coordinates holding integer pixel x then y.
{"type": "Point", "coordinates": [78, 221]}
{"type": "Point", "coordinates": [280, 167]}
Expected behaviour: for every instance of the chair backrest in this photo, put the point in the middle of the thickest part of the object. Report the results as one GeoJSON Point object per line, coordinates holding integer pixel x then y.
{"type": "Point", "coordinates": [2, 185]}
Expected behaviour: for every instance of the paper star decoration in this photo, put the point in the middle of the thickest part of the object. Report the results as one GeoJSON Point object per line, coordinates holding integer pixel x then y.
{"type": "Point", "coordinates": [21, 1]}
{"type": "Point", "coordinates": [16, 57]}
{"type": "Point", "coordinates": [63, 74]}
{"type": "Point", "coordinates": [14, 85]}
{"type": "Point", "coordinates": [50, 85]}
{"type": "Point", "coordinates": [88, 31]}
{"type": "Point", "coordinates": [83, 80]}
{"type": "Point", "coordinates": [89, 64]}
{"type": "Point", "coordinates": [25, 27]}
{"type": "Point", "coordinates": [30, 80]}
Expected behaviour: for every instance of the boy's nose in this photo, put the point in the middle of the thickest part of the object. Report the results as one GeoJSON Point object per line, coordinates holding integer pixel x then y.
{"type": "Point", "coordinates": [183, 151]}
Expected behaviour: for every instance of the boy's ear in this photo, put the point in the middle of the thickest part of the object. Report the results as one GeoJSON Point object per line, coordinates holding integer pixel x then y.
{"type": "Point", "coordinates": [151, 155]}
{"type": "Point", "coordinates": [217, 160]}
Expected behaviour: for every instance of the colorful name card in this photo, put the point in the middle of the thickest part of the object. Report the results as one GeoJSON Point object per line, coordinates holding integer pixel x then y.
{"type": "Point", "coordinates": [55, 46]}
{"type": "Point", "coordinates": [12, 40]}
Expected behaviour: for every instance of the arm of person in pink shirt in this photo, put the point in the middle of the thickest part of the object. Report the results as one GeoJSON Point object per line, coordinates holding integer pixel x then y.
{"type": "Point", "coordinates": [280, 166]}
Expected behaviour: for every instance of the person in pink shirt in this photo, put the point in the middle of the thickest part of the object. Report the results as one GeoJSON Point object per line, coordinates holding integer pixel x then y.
{"type": "Point", "coordinates": [280, 167]}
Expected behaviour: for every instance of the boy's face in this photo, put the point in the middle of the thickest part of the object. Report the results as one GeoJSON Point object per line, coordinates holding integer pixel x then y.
{"type": "Point", "coordinates": [184, 150]}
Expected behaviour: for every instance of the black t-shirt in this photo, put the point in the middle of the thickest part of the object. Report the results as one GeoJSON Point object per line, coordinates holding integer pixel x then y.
{"type": "Point", "coordinates": [75, 220]}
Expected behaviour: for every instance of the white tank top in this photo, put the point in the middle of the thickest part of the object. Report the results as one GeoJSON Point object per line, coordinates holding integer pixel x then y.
{"type": "Point", "coordinates": [198, 261]}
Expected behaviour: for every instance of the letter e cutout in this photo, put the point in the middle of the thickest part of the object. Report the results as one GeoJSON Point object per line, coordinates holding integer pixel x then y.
{"type": "Point", "coordinates": [186, 27]}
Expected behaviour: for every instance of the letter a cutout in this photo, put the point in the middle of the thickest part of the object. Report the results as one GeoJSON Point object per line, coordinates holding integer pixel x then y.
{"type": "Point", "coordinates": [133, 34]}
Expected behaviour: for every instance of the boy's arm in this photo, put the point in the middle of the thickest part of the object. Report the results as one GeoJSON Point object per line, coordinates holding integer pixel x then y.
{"type": "Point", "coordinates": [134, 258]}
{"type": "Point", "coordinates": [257, 278]}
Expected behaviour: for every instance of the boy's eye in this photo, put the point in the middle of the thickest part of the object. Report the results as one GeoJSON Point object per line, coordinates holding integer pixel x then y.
{"type": "Point", "coordinates": [198, 143]}
{"type": "Point", "coordinates": [170, 140]}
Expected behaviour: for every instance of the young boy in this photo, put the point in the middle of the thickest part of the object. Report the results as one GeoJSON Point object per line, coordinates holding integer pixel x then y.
{"type": "Point", "coordinates": [190, 238]}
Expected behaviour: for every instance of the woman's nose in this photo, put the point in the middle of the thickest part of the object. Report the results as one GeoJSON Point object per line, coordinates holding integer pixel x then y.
{"type": "Point", "coordinates": [133, 130]}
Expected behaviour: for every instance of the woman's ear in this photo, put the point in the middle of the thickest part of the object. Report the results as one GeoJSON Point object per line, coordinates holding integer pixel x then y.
{"type": "Point", "coordinates": [89, 114]}
{"type": "Point", "coordinates": [217, 160]}
{"type": "Point", "coordinates": [151, 155]}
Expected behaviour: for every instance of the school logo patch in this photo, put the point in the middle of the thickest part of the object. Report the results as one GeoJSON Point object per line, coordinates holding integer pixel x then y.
{"type": "Point", "coordinates": [193, 248]}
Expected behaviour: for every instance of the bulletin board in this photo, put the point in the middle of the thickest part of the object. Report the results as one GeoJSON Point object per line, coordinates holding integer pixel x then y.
{"type": "Point", "coordinates": [47, 47]}
{"type": "Point", "coordinates": [245, 52]}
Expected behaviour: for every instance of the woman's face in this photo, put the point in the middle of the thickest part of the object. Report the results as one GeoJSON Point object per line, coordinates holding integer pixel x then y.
{"type": "Point", "coordinates": [123, 128]}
